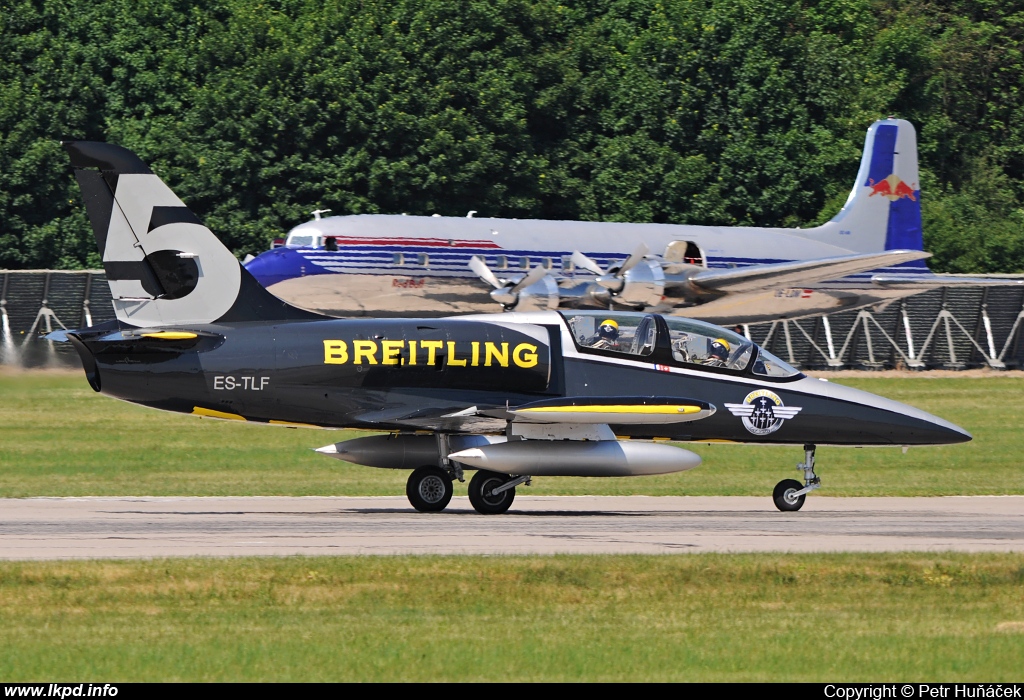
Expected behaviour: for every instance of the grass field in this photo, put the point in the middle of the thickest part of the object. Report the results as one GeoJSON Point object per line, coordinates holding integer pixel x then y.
{"type": "Point", "coordinates": [681, 618]}
{"type": "Point", "coordinates": [701, 617]}
{"type": "Point", "coordinates": [58, 438]}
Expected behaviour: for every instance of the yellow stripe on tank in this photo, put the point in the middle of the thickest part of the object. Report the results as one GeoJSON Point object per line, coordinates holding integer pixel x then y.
{"type": "Point", "coordinates": [649, 410]}
{"type": "Point", "coordinates": [170, 335]}
{"type": "Point", "coordinates": [210, 413]}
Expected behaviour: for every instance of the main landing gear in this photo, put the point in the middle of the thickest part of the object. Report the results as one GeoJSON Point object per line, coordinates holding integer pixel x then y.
{"type": "Point", "coordinates": [789, 494]}
{"type": "Point", "coordinates": [492, 493]}
{"type": "Point", "coordinates": [430, 490]}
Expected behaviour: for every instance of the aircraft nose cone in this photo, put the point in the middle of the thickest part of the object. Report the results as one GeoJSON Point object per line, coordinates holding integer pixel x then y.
{"type": "Point", "coordinates": [941, 432]}
{"type": "Point", "coordinates": [273, 266]}
{"type": "Point", "coordinates": [858, 417]}
{"type": "Point", "coordinates": [915, 429]}
{"type": "Point", "coordinates": [932, 429]}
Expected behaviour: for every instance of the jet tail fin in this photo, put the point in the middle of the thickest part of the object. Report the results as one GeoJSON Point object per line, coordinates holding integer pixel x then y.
{"type": "Point", "coordinates": [164, 267]}
{"type": "Point", "coordinates": [883, 211]}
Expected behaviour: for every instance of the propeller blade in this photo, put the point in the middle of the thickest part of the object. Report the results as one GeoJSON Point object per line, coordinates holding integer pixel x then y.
{"type": "Point", "coordinates": [581, 260]}
{"type": "Point", "coordinates": [477, 265]}
{"type": "Point", "coordinates": [504, 297]}
{"type": "Point", "coordinates": [532, 277]}
{"type": "Point", "coordinates": [632, 260]}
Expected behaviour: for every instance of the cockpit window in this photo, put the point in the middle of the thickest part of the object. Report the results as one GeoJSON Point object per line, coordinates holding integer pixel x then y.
{"type": "Point", "coordinates": [768, 365]}
{"type": "Point", "coordinates": [699, 343]}
{"type": "Point", "coordinates": [298, 241]}
{"type": "Point", "coordinates": [631, 334]}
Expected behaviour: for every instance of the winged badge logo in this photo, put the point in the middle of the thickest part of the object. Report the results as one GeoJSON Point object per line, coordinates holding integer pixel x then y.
{"type": "Point", "coordinates": [762, 411]}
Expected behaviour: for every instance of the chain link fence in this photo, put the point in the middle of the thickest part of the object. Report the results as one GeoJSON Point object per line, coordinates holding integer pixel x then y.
{"type": "Point", "coordinates": [946, 328]}
{"type": "Point", "coordinates": [35, 302]}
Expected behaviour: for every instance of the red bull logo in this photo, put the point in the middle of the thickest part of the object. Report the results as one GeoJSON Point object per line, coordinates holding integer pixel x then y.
{"type": "Point", "coordinates": [892, 188]}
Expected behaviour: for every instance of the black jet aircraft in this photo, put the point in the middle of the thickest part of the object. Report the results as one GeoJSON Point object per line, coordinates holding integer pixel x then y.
{"type": "Point", "coordinates": [513, 396]}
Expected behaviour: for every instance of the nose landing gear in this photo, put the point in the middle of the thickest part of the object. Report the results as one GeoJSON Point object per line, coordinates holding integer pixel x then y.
{"type": "Point", "coordinates": [789, 494]}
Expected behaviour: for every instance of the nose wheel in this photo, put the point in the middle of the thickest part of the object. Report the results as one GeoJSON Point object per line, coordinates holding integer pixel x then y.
{"type": "Point", "coordinates": [784, 497]}
{"type": "Point", "coordinates": [790, 494]}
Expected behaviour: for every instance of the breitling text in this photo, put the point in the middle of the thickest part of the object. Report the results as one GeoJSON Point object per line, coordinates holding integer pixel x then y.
{"type": "Point", "coordinates": [430, 353]}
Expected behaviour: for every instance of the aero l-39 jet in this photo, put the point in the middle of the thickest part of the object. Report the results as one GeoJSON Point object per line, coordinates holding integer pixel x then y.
{"type": "Point", "coordinates": [514, 396]}
{"type": "Point", "coordinates": [378, 265]}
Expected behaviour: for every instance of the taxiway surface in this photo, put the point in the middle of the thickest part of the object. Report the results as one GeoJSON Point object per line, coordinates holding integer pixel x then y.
{"type": "Point", "coordinates": [73, 528]}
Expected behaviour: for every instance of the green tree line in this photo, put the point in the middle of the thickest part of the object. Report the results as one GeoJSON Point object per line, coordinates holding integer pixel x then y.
{"type": "Point", "coordinates": [728, 112]}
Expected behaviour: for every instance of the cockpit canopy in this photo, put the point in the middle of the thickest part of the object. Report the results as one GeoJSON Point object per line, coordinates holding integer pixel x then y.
{"type": "Point", "coordinates": [692, 343]}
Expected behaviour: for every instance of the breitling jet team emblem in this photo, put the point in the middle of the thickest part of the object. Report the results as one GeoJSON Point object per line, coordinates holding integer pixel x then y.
{"type": "Point", "coordinates": [762, 411]}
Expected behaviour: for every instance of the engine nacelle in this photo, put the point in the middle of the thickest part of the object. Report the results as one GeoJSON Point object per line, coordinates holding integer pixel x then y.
{"type": "Point", "coordinates": [540, 296]}
{"type": "Point", "coordinates": [643, 285]}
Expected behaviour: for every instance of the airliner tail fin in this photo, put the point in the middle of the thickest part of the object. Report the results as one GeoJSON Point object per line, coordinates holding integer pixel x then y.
{"type": "Point", "coordinates": [883, 211]}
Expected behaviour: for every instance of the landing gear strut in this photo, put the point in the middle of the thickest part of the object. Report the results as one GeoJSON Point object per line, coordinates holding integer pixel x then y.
{"type": "Point", "coordinates": [789, 494]}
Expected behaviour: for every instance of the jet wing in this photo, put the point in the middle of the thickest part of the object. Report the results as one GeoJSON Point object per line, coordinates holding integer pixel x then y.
{"type": "Point", "coordinates": [800, 273]}
{"type": "Point", "coordinates": [929, 281]}
{"type": "Point", "coordinates": [470, 419]}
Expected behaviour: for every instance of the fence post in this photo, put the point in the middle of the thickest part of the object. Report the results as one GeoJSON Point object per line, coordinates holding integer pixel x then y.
{"type": "Point", "coordinates": [789, 342]}
{"type": "Point", "coordinates": [832, 360]}
{"type": "Point", "coordinates": [864, 317]}
{"type": "Point", "coordinates": [952, 363]}
{"type": "Point", "coordinates": [86, 316]}
{"type": "Point", "coordinates": [8, 350]}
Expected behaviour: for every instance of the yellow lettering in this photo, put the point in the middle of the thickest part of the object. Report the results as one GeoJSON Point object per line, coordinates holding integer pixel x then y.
{"type": "Point", "coordinates": [476, 354]}
{"type": "Point", "coordinates": [364, 348]}
{"type": "Point", "coordinates": [390, 350]}
{"type": "Point", "coordinates": [412, 352]}
{"type": "Point", "coordinates": [452, 360]}
{"type": "Point", "coordinates": [432, 346]}
{"type": "Point", "coordinates": [525, 355]}
{"type": "Point", "coordinates": [335, 352]}
{"type": "Point", "coordinates": [493, 353]}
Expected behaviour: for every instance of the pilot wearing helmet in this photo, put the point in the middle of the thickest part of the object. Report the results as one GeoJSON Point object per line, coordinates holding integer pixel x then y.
{"type": "Point", "coordinates": [718, 353]}
{"type": "Point", "coordinates": [607, 337]}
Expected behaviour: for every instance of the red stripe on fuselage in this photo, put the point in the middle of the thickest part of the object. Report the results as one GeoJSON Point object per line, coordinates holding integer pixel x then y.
{"type": "Point", "coordinates": [431, 242]}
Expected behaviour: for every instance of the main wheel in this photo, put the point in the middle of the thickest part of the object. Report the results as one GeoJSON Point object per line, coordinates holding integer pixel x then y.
{"type": "Point", "coordinates": [480, 487]}
{"type": "Point", "coordinates": [783, 495]}
{"type": "Point", "coordinates": [429, 489]}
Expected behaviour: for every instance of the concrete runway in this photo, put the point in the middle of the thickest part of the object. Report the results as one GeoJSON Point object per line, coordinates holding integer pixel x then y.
{"type": "Point", "coordinates": [74, 528]}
